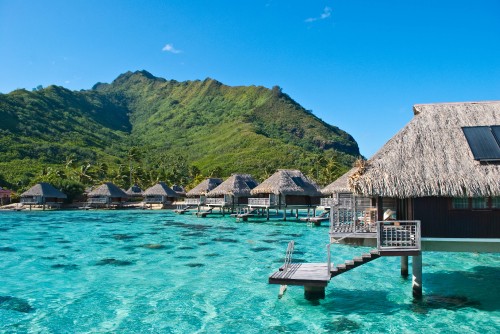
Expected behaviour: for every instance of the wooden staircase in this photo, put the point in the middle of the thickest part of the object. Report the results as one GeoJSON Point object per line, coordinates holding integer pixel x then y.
{"type": "Point", "coordinates": [356, 262]}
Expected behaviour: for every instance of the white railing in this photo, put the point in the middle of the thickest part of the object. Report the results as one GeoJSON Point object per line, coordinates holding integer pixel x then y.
{"type": "Point", "coordinates": [216, 201]}
{"type": "Point", "coordinates": [98, 200]}
{"type": "Point", "coordinates": [30, 200]}
{"type": "Point", "coordinates": [288, 255]}
{"type": "Point", "coordinates": [194, 201]}
{"type": "Point", "coordinates": [153, 199]}
{"type": "Point", "coordinates": [260, 202]}
{"type": "Point", "coordinates": [401, 234]}
{"type": "Point", "coordinates": [328, 202]}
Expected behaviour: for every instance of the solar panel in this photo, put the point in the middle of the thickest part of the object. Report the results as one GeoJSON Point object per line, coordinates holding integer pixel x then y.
{"type": "Point", "coordinates": [482, 142]}
{"type": "Point", "coordinates": [496, 132]}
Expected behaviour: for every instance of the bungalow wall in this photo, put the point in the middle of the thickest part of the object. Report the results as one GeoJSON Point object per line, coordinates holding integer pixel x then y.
{"type": "Point", "coordinates": [440, 220]}
{"type": "Point", "coordinates": [302, 200]}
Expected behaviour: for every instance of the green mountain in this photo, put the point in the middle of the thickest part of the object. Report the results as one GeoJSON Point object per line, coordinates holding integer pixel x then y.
{"type": "Point", "coordinates": [148, 128]}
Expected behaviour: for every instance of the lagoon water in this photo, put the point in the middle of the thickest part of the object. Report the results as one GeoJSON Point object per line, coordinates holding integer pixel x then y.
{"type": "Point", "coordinates": [144, 271]}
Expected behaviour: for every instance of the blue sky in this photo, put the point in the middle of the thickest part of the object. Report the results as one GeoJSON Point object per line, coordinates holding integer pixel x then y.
{"type": "Point", "coordinates": [359, 65]}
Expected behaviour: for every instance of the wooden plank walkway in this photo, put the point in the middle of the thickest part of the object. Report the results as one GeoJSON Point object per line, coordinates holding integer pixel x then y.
{"type": "Point", "coordinates": [310, 274]}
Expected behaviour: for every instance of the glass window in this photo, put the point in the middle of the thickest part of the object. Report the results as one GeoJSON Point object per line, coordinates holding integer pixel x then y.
{"type": "Point", "coordinates": [495, 202]}
{"type": "Point", "coordinates": [460, 203]}
{"type": "Point", "coordinates": [480, 203]}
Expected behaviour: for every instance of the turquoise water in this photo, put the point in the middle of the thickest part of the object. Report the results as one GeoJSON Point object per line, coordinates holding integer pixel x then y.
{"type": "Point", "coordinates": [138, 271]}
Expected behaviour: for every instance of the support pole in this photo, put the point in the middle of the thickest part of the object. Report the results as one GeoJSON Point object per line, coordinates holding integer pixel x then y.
{"type": "Point", "coordinates": [404, 265]}
{"type": "Point", "coordinates": [267, 214]}
{"type": "Point", "coordinates": [417, 276]}
{"type": "Point", "coordinates": [284, 214]}
{"type": "Point", "coordinates": [314, 292]}
{"type": "Point", "coordinates": [296, 213]}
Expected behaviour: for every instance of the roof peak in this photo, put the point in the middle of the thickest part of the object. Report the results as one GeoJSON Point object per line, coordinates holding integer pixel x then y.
{"type": "Point", "coordinates": [417, 110]}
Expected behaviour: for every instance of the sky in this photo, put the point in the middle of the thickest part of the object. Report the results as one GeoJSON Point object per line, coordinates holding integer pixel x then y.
{"type": "Point", "coordinates": [357, 64]}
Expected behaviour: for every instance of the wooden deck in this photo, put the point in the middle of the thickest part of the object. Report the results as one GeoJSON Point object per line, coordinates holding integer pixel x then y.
{"type": "Point", "coordinates": [310, 274]}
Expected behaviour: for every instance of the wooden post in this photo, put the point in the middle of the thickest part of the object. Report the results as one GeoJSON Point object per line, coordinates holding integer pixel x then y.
{"type": "Point", "coordinates": [314, 292]}
{"type": "Point", "coordinates": [296, 213]}
{"type": "Point", "coordinates": [284, 214]}
{"type": "Point", "coordinates": [404, 265]}
{"type": "Point", "coordinates": [417, 276]}
{"type": "Point", "coordinates": [267, 213]}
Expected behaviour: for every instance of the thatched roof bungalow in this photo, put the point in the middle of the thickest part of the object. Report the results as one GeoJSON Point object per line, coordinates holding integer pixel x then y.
{"type": "Point", "coordinates": [286, 188]}
{"type": "Point", "coordinates": [43, 193]}
{"type": "Point", "coordinates": [160, 193]}
{"type": "Point", "coordinates": [232, 192]}
{"type": "Point", "coordinates": [107, 194]}
{"type": "Point", "coordinates": [5, 196]}
{"type": "Point", "coordinates": [198, 194]}
{"type": "Point", "coordinates": [442, 168]}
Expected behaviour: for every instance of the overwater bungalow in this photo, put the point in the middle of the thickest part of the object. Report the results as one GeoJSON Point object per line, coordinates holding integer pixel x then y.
{"type": "Point", "coordinates": [5, 196]}
{"type": "Point", "coordinates": [43, 194]}
{"type": "Point", "coordinates": [435, 186]}
{"type": "Point", "coordinates": [443, 169]}
{"type": "Point", "coordinates": [233, 193]}
{"type": "Point", "coordinates": [285, 189]}
{"type": "Point", "coordinates": [107, 195]}
{"type": "Point", "coordinates": [160, 193]}
{"type": "Point", "coordinates": [134, 192]}
{"type": "Point", "coordinates": [197, 196]}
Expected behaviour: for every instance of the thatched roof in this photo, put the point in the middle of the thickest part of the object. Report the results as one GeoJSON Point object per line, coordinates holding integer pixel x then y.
{"type": "Point", "coordinates": [160, 189]}
{"type": "Point", "coordinates": [236, 185]}
{"type": "Point", "coordinates": [108, 189]}
{"type": "Point", "coordinates": [288, 182]}
{"type": "Point", "coordinates": [45, 190]}
{"type": "Point", "coordinates": [204, 187]}
{"type": "Point", "coordinates": [340, 185]}
{"type": "Point", "coordinates": [135, 190]}
{"type": "Point", "coordinates": [430, 156]}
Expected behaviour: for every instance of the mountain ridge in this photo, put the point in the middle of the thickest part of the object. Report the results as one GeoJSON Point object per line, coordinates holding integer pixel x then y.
{"type": "Point", "coordinates": [213, 127]}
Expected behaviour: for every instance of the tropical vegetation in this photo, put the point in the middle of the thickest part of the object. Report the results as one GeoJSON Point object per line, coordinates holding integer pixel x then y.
{"type": "Point", "coordinates": [142, 129]}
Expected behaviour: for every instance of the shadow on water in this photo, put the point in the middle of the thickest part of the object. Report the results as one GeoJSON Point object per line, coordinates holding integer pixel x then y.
{"type": "Point", "coordinates": [15, 304]}
{"type": "Point", "coordinates": [113, 262]}
{"type": "Point", "coordinates": [65, 266]}
{"type": "Point", "coordinates": [477, 289]}
{"type": "Point", "coordinates": [343, 301]}
{"type": "Point", "coordinates": [342, 324]}
{"type": "Point", "coordinates": [7, 249]}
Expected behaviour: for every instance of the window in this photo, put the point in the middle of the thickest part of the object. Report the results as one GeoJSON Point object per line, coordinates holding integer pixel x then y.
{"type": "Point", "coordinates": [460, 203]}
{"type": "Point", "coordinates": [480, 203]}
{"type": "Point", "coordinates": [475, 203]}
{"type": "Point", "coordinates": [495, 202]}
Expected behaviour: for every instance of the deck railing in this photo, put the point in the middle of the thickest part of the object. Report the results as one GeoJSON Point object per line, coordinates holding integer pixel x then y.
{"type": "Point", "coordinates": [328, 202]}
{"type": "Point", "coordinates": [216, 201]}
{"type": "Point", "coordinates": [98, 200]}
{"type": "Point", "coordinates": [401, 234]}
{"type": "Point", "coordinates": [194, 201]}
{"type": "Point", "coordinates": [153, 199]}
{"type": "Point", "coordinates": [260, 202]}
{"type": "Point", "coordinates": [32, 201]}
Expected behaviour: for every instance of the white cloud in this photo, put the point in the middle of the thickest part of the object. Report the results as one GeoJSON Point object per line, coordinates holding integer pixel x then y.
{"type": "Point", "coordinates": [170, 48]}
{"type": "Point", "coordinates": [327, 12]}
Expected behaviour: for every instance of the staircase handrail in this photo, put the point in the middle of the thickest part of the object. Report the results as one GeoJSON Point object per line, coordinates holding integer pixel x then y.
{"type": "Point", "coordinates": [288, 255]}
